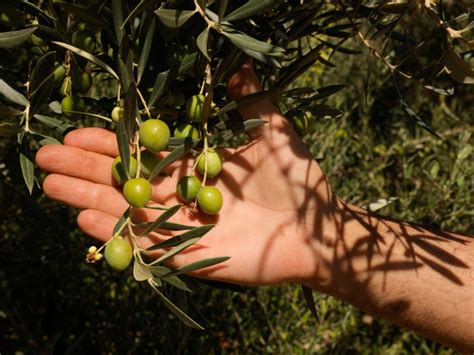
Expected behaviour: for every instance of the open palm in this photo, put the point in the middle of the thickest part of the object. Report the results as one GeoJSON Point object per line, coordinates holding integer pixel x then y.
{"type": "Point", "coordinates": [275, 196]}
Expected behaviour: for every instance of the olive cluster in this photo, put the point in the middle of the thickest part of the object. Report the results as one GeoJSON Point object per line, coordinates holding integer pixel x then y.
{"type": "Point", "coordinates": [154, 136]}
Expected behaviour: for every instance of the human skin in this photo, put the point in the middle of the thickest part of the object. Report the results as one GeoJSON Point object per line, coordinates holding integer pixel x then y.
{"type": "Point", "coordinates": [281, 223]}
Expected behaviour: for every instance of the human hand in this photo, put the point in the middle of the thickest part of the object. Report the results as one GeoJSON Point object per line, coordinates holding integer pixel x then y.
{"type": "Point", "coordinates": [275, 196]}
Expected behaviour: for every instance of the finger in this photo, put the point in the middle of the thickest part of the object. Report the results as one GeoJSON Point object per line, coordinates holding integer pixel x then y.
{"type": "Point", "coordinates": [97, 224]}
{"type": "Point", "coordinates": [76, 162]}
{"type": "Point", "coordinates": [93, 139]}
{"type": "Point", "coordinates": [84, 194]}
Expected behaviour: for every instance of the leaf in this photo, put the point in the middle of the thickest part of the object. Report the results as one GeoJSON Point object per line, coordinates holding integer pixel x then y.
{"type": "Point", "coordinates": [308, 296]}
{"type": "Point", "coordinates": [140, 271]}
{"type": "Point", "coordinates": [14, 38]}
{"type": "Point", "coordinates": [250, 8]}
{"type": "Point", "coordinates": [8, 129]}
{"type": "Point", "coordinates": [201, 42]}
{"type": "Point", "coordinates": [43, 69]}
{"type": "Point", "coordinates": [379, 204]}
{"type": "Point", "coordinates": [145, 51]}
{"type": "Point", "coordinates": [241, 127]}
{"type": "Point", "coordinates": [124, 147]}
{"type": "Point", "coordinates": [117, 16]}
{"type": "Point", "coordinates": [175, 226]}
{"type": "Point", "coordinates": [12, 95]}
{"type": "Point", "coordinates": [158, 88]}
{"type": "Point", "coordinates": [170, 212]}
{"type": "Point", "coordinates": [201, 264]}
{"type": "Point", "coordinates": [175, 250]}
{"type": "Point", "coordinates": [59, 126]}
{"type": "Point", "coordinates": [137, 10]}
{"type": "Point", "coordinates": [184, 283]}
{"type": "Point", "coordinates": [457, 68]}
{"type": "Point", "coordinates": [327, 91]}
{"type": "Point", "coordinates": [89, 57]}
{"type": "Point", "coordinates": [248, 99]}
{"type": "Point", "coordinates": [178, 312]}
{"type": "Point", "coordinates": [121, 220]}
{"type": "Point", "coordinates": [42, 94]}
{"type": "Point", "coordinates": [244, 41]}
{"type": "Point", "coordinates": [130, 110]}
{"type": "Point", "coordinates": [27, 166]}
{"type": "Point", "coordinates": [197, 232]}
{"type": "Point", "coordinates": [176, 154]}
{"type": "Point", "coordinates": [187, 63]}
{"type": "Point", "coordinates": [174, 18]}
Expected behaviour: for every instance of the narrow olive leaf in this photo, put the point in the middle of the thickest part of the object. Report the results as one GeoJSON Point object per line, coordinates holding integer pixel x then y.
{"type": "Point", "coordinates": [341, 49]}
{"type": "Point", "coordinates": [185, 283]}
{"type": "Point", "coordinates": [456, 67]}
{"type": "Point", "coordinates": [89, 57]}
{"type": "Point", "coordinates": [240, 125]}
{"type": "Point", "coordinates": [11, 94]}
{"type": "Point", "coordinates": [27, 168]}
{"type": "Point", "coordinates": [250, 8]}
{"type": "Point", "coordinates": [124, 73]}
{"type": "Point", "coordinates": [8, 129]}
{"type": "Point", "coordinates": [187, 63]}
{"type": "Point", "coordinates": [130, 109]}
{"type": "Point", "coordinates": [9, 112]}
{"type": "Point", "coordinates": [174, 18]}
{"type": "Point", "coordinates": [175, 250]}
{"type": "Point", "coordinates": [262, 57]}
{"type": "Point", "coordinates": [175, 226]}
{"type": "Point", "coordinates": [247, 126]}
{"type": "Point", "coordinates": [324, 111]}
{"type": "Point", "coordinates": [42, 71]}
{"type": "Point", "coordinates": [121, 221]}
{"type": "Point", "coordinates": [140, 271]}
{"type": "Point", "coordinates": [176, 154]}
{"type": "Point", "coordinates": [98, 19]}
{"type": "Point", "coordinates": [123, 142]}
{"type": "Point", "coordinates": [308, 296]}
{"type": "Point", "coordinates": [177, 141]}
{"type": "Point", "coordinates": [49, 140]}
{"type": "Point", "coordinates": [159, 270]}
{"type": "Point", "coordinates": [178, 312]}
{"type": "Point", "coordinates": [117, 16]}
{"type": "Point", "coordinates": [59, 126]}
{"type": "Point", "coordinates": [55, 106]}
{"type": "Point", "coordinates": [194, 233]}
{"type": "Point", "coordinates": [222, 9]}
{"type": "Point", "coordinates": [158, 88]}
{"type": "Point", "coordinates": [244, 41]}
{"type": "Point", "coordinates": [42, 94]}
{"type": "Point", "coordinates": [142, 5]}
{"type": "Point", "coordinates": [201, 42]}
{"type": "Point", "coordinates": [32, 9]}
{"type": "Point", "coordinates": [447, 92]}
{"type": "Point", "coordinates": [327, 91]}
{"type": "Point", "coordinates": [248, 99]}
{"type": "Point", "coordinates": [145, 51]}
{"type": "Point", "coordinates": [222, 285]}
{"type": "Point", "coordinates": [14, 38]}
{"type": "Point", "coordinates": [419, 121]}
{"type": "Point", "coordinates": [201, 264]}
{"type": "Point", "coordinates": [170, 212]}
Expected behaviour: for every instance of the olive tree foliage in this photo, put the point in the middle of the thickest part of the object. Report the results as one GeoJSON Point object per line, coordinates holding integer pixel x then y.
{"type": "Point", "coordinates": [150, 56]}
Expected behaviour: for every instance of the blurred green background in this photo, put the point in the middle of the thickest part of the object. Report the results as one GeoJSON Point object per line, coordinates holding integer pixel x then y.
{"type": "Point", "coordinates": [52, 302]}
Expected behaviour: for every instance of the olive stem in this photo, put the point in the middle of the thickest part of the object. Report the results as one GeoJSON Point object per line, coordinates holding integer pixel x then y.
{"type": "Point", "coordinates": [143, 102]}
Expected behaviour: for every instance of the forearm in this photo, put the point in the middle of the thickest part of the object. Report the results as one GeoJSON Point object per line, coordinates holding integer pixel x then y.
{"type": "Point", "coordinates": [419, 279]}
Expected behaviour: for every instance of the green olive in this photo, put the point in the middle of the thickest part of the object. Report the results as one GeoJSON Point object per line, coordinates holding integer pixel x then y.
{"type": "Point", "coordinates": [186, 130]}
{"type": "Point", "coordinates": [118, 172]}
{"type": "Point", "coordinates": [72, 103]}
{"type": "Point", "coordinates": [210, 199]}
{"type": "Point", "coordinates": [118, 254]}
{"type": "Point", "coordinates": [37, 41]}
{"type": "Point", "coordinates": [81, 81]}
{"type": "Point", "coordinates": [83, 40]}
{"type": "Point", "coordinates": [194, 107]}
{"type": "Point", "coordinates": [148, 162]}
{"type": "Point", "coordinates": [187, 188]}
{"type": "Point", "coordinates": [59, 72]}
{"type": "Point", "coordinates": [137, 192]}
{"type": "Point", "coordinates": [303, 122]}
{"type": "Point", "coordinates": [214, 163]}
{"type": "Point", "coordinates": [117, 114]}
{"type": "Point", "coordinates": [154, 135]}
